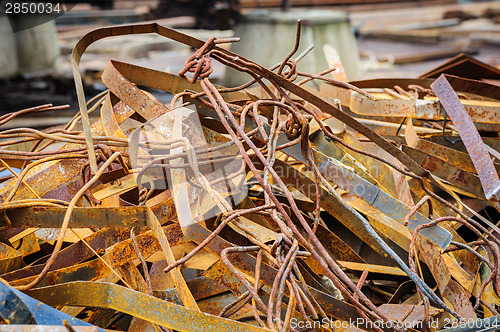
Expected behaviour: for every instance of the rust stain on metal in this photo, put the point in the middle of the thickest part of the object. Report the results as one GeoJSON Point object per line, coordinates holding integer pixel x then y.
{"type": "Point", "coordinates": [470, 136]}
{"type": "Point", "coordinates": [242, 210]}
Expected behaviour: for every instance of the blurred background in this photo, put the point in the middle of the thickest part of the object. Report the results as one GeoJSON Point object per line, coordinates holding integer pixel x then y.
{"type": "Point", "coordinates": [367, 38]}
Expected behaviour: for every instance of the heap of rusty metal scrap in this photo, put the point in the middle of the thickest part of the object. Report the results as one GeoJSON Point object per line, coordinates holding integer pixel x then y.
{"type": "Point", "coordinates": [270, 206]}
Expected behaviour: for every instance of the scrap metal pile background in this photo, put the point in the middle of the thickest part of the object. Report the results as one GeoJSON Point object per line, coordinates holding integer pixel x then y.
{"type": "Point", "coordinates": [369, 205]}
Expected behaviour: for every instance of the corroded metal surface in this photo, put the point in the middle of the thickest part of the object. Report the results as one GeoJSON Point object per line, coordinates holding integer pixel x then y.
{"type": "Point", "coordinates": [470, 136]}
{"type": "Point", "coordinates": [258, 208]}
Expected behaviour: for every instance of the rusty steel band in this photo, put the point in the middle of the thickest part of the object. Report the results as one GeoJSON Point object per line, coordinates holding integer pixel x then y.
{"type": "Point", "coordinates": [470, 136]}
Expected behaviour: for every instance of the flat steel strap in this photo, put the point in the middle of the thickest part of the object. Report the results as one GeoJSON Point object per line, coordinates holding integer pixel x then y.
{"type": "Point", "coordinates": [470, 137]}
{"type": "Point", "coordinates": [146, 307]}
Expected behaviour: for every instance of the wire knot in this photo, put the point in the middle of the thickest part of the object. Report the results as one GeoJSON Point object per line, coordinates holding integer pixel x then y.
{"type": "Point", "coordinates": [200, 63]}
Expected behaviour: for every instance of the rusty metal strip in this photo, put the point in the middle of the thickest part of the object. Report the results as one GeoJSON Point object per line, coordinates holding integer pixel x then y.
{"type": "Point", "coordinates": [110, 124]}
{"type": "Point", "coordinates": [391, 82]}
{"type": "Point", "coordinates": [449, 288]}
{"type": "Point", "coordinates": [82, 217]}
{"type": "Point", "coordinates": [203, 287]}
{"type": "Point", "coordinates": [380, 171]}
{"type": "Point", "coordinates": [175, 274]}
{"type": "Point", "coordinates": [455, 157]}
{"type": "Point", "coordinates": [493, 142]}
{"type": "Point", "coordinates": [75, 253]}
{"type": "Point", "coordinates": [335, 172]}
{"type": "Point", "coordinates": [10, 259]}
{"type": "Point", "coordinates": [480, 112]}
{"type": "Point", "coordinates": [148, 107]}
{"type": "Point", "coordinates": [470, 137]}
{"type": "Point", "coordinates": [118, 254]}
{"type": "Point", "coordinates": [91, 270]}
{"type": "Point", "coordinates": [359, 104]}
{"type": "Point", "coordinates": [463, 277]}
{"type": "Point", "coordinates": [373, 269]}
{"type": "Point", "coordinates": [98, 34]}
{"type": "Point", "coordinates": [389, 129]}
{"type": "Point", "coordinates": [55, 178]}
{"type": "Point", "coordinates": [452, 174]}
{"type": "Point", "coordinates": [349, 159]}
{"type": "Point", "coordinates": [391, 228]}
{"type": "Point", "coordinates": [138, 305]}
{"type": "Point", "coordinates": [473, 86]}
{"type": "Point", "coordinates": [489, 295]}
{"type": "Point", "coordinates": [158, 80]}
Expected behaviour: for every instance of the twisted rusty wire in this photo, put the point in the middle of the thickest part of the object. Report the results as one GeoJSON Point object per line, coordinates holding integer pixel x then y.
{"type": "Point", "coordinates": [291, 118]}
{"type": "Point", "coordinates": [288, 227]}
